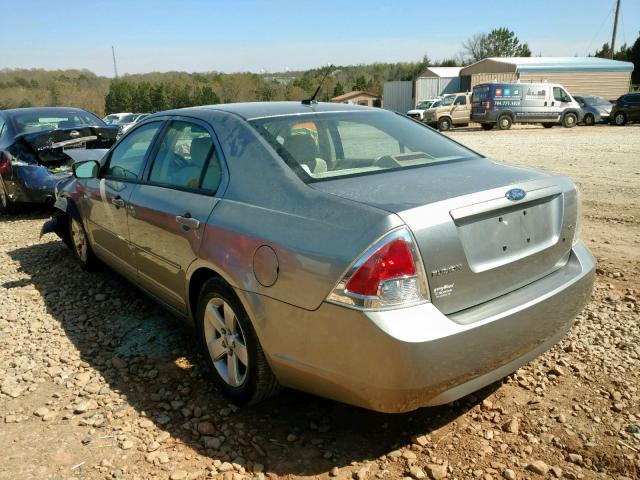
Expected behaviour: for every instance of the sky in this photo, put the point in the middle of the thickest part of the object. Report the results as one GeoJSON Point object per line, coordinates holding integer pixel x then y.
{"type": "Point", "coordinates": [278, 35]}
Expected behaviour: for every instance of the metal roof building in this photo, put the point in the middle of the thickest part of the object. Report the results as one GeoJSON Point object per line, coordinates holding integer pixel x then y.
{"type": "Point", "coordinates": [580, 75]}
{"type": "Point", "coordinates": [436, 81]}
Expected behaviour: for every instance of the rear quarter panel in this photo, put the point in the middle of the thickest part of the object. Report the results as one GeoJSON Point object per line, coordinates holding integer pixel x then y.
{"type": "Point", "coordinates": [315, 235]}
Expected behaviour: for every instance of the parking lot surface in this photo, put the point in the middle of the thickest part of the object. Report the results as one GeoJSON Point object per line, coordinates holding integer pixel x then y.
{"type": "Point", "coordinates": [98, 382]}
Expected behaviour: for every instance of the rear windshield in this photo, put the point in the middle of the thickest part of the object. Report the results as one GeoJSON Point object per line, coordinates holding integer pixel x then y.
{"type": "Point", "coordinates": [480, 93]}
{"type": "Point", "coordinates": [28, 122]}
{"type": "Point", "coordinates": [324, 146]}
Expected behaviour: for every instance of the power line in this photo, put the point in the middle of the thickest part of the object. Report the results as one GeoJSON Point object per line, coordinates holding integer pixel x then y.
{"type": "Point", "coordinates": [605, 20]}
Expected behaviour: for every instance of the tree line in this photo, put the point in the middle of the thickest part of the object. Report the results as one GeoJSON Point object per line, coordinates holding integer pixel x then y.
{"type": "Point", "coordinates": [155, 91]}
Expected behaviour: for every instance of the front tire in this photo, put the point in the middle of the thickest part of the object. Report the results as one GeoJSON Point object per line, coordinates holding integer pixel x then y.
{"type": "Point", "coordinates": [79, 243]}
{"type": "Point", "coordinates": [569, 120]}
{"type": "Point", "coordinates": [232, 349]}
{"type": "Point", "coordinates": [444, 124]}
{"type": "Point", "coordinates": [619, 119]}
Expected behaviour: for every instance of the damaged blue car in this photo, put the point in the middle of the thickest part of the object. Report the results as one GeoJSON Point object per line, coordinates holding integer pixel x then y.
{"type": "Point", "coordinates": [38, 146]}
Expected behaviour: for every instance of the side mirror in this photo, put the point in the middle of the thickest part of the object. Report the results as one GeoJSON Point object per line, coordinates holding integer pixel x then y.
{"type": "Point", "coordinates": [86, 169]}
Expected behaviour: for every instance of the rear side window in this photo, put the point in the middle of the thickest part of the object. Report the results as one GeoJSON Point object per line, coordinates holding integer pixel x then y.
{"type": "Point", "coordinates": [460, 101]}
{"type": "Point", "coordinates": [186, 158]}
{"type": "Point", "coordinates": [127, 158]}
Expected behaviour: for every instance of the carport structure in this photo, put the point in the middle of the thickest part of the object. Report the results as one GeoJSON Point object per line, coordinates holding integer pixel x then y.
{"type": "Point", "coordinates": [580, 75]}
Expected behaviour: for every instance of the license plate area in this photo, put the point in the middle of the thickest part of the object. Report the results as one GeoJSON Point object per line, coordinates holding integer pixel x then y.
{"type": "Point", "coordinates": [499, 237]}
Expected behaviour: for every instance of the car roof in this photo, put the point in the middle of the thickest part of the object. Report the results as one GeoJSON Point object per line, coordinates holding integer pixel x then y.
{"type": "Point", "coordinates": [51, 110]}
{"type": "Point", "coordinates": [253, 110]}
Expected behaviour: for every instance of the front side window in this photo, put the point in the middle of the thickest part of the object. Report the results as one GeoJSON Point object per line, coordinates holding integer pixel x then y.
{"type": "Point", "coordinates": [462, 100]}
{"type": "Point", "coordinates": [127, 158]}
{"type": "Point", "coordinates": [560, 95]}
{"type": "Point", "coordinates": [186, 158]}
{"type": "Point", "coordinates": [446, 101]}
{"type": "Point", "coordinates": [324, 146]}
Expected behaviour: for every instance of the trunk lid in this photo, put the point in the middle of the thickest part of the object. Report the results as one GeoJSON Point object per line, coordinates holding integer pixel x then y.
{"type": "Point", "coordinates": [62, 147]}
{"type": "Point", "coordinates": [476, 244]}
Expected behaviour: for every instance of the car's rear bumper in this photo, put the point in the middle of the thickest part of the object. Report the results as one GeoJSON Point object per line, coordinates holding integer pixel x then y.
{"type": "Point", "coordinates": [400, 360]}
{"type": "Point", "coordinates": [33, 184]}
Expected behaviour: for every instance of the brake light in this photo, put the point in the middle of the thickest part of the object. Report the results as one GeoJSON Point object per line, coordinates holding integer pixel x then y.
{"type": "Point", "coordinates": [488, 106]}
{"type": "Point", "coordinates": [389, 274]}
{"type": "Point", "coordinates": [392, 260]}
{"type": "Point", "coordinates": [4, 163]}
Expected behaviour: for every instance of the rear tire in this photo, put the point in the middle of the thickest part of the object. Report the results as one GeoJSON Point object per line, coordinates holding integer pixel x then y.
{"type": "Point", "coordinates": [231, 347]}
{"type": "Point", "coordinates": [619, 119]}
{"type": "Point", "coordinates": [589, 120]}
{"type": "Point", "coordinates": [547, 125]}
{"type": "Point", "coordinates": [504, 122]}
{"type": "Point", "coordinates": [444, 124]}
{"type": "Point", "coordinates": [79, 243]}
{"type": "Point", "coordinates": [487, 126]}
{"type": "Point", "coordinates": [6, 206]}
{"type": "Point", "coordinates": [569, 120]}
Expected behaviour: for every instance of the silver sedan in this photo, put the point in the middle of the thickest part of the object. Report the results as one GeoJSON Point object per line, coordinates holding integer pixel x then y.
{"type": "Point", "coordinates": [346, 251]}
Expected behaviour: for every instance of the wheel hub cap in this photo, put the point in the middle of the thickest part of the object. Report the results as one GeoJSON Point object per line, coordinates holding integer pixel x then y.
{"type": "Point", "coordinates": [226, 342]}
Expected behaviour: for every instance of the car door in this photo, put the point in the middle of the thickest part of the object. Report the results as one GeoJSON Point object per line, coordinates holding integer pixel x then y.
{"type": "Point", "coordinates": [169, 208]}
{"type": "Point", "coordinates": [460, 110]}
{"type": "Point", "coordinates": [104, 199]}
{"type": "Point", "coordinates": [560, 101]}
{"type": "Point", "coordinates": [634, 107]}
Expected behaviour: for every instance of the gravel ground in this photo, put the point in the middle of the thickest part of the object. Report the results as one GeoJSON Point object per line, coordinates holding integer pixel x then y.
{"type": "Point", "coordinates": [98, 382]}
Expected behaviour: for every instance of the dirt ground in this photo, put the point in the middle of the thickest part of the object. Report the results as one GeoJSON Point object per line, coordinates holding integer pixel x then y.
{"type": "Point", "coordinates": [97, 382]}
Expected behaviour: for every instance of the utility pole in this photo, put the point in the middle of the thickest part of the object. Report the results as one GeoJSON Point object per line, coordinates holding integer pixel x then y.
{"type": "Point", "coordinates": [115, 67]}
{"type": "Point", "coordinates": [615, 28]}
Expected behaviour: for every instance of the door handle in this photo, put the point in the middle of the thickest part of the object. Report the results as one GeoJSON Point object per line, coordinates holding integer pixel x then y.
{"type": "Point", "coordinates": [117, 201]}
{"type": "Point", "coordinates": [545, 104]}
{"type": "Point", "coordinates": [553, 104]}
{"type": "Point", "coordinates": [187, 221]}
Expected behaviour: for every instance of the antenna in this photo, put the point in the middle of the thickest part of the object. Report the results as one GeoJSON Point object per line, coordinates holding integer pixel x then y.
{"type": "Point", "coordinates": [615, 28]}
{"type": "Point", "coordinates": [309, 101]}
{"type": "Point", "coordinates": [115, 67]}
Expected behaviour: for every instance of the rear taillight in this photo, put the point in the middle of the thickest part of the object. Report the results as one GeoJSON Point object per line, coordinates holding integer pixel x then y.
{"type": "Point", "coordinates": [4, 163]}
{"type": "Point", "coordinates": [488, 106]}
{"type": "Point", "coordinates": [389, 274]}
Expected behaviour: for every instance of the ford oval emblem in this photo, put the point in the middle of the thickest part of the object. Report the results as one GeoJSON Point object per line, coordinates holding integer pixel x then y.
{"type": "Point", "coordinates": [515, 194]}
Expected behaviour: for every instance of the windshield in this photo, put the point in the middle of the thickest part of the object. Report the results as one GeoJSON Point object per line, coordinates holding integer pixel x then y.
{"type": "Point", "coordinates": [126, 119]}
{"type": "Point", "coordinates": [328, 145]}
{"type": "Point", "coordinates": [28, 122]}
{"type": "Point", "coordinates": [596, 101]}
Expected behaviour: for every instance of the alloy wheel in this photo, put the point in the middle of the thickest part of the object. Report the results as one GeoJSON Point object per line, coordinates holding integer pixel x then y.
{"type": "Point", "coordinates": [226, 342]}
{"type": "Point", "coordinates": [619, 119]}
{"type": "Point", "coordinates": [79, 240]}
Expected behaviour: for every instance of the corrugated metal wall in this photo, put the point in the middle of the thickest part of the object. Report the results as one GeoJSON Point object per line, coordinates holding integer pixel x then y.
{"type": "Point", "coordinates": [431, 87]}
{"type": "Point", "coordinates": [609, 85]}
{"type": "Point", "coordinates": [398, 96]}
{"type": "Point", "coordinates": [477, 78]}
